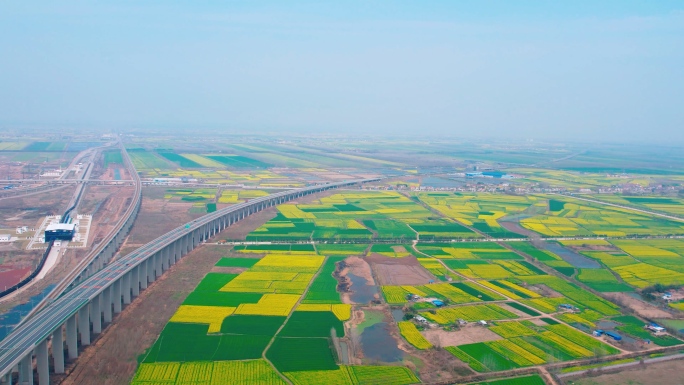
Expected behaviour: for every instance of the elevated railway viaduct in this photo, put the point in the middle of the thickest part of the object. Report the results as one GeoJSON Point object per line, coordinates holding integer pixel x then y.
{"type": "Point", "coordinates": [88, 305]}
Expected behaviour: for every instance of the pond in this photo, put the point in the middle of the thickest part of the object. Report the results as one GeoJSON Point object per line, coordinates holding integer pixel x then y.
{"type": "Point", "coordinates": [344, 350]}
{"type": "Point", "coordinates": [575, 259]}
{"type": "Point", "coordinates": [378, 344]}
{"type": "Point", "coordinates": [361, 291]}
{"type": "Point", "coordinates": [606, 325]}
{"type": "Point", "coordinates": [398, 315]}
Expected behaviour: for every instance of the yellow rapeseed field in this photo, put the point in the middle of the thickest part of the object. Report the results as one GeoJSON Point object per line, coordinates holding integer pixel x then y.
{"type": "Point", "coordinates": [212, 315]}
{"type": "Point", "coordinates": [270, 304]}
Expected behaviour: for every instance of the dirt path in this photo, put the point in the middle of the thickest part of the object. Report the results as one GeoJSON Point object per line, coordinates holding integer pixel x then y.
{"type": "Point", "coordinates": [263, 355]}
{"type": "Point", "coordinates": [627, 365]}
{"type": "Point", "coordinates": [437, 212]}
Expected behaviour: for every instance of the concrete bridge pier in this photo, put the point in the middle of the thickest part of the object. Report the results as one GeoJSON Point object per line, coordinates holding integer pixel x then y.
{"type": "Point", "coordinates": [42, 364]}
{"type": "Point", "coordinates": [107, 304]}
{"type": "Point", "coordinates": [170, 261]}
{"type": "Point", "coordinates": [135, 282]}
{"type": "Point", "coordinates": [7, 379]}
{"type": "Point", "coordinates": [184, 245]}
{"type": "Point", "coordinates": [158, 264]}
{"type": "Point", "coordinates": [72, 339]}
{"type": "Point", "coordinates": [84, 325]}
{"type": "Point", "coordinates": [144, 276]}
{"type": "Point", "coordinates": [58, 350]}
{"type": "Point", "coordinates": [176, 250]}
{"type": "Point", "coordinates": [150, 270]}
{"type": "Point", "coordinates": [164, 259]}
{"type": "Point", "coordinates": [26, 370]}
{"type": "Point", "coordinates": [126, 288]}
{"type": "Point", "coordinates": [96, 314]}
{"type": "Point", "coordinates": [116, 296]}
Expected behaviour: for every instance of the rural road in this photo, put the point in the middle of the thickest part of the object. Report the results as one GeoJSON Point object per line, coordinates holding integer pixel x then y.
{"type": "Point", "coordinates": [626, 365]}
{"type": "Point", "coordinates": [625, 207]}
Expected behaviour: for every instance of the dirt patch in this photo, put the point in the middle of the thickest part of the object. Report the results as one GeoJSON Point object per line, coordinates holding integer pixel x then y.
{"type": "Point", "coordinates": [469, 334]}
{"type": "Point", "coordinates": [545, 291]}
{"type": "Point", "coordinates": [29, 210]}
{"type": "Point", "coordinates": [589, 247]}
{"type": "Point", "coordinates": [661, 373]}
{"type": "Point", "coordinates": [399, 271]}
{"type": "Point", "coordinates": [112, 357]}
{"type": "Point", "coordinates": [640, 307]}
{"type": "Point", "coordinates": [228, 270]}
{"type": "Point", "coordinates": [440, 366]}
{"type": "Point", "coordinates": [677, 294]}
{"type": "Point", "coordinates": [360, 268]}
{"type": "Point", "coordinates": [107, 205]}
{"type": "Point", "coordinates": [12, 277]}
{"type": "Point", "coordinates": [399, 249]}
{"type": "Point", "coordinates": [513, 310]}
{"type": "Point", "coordinates": [538, 322]}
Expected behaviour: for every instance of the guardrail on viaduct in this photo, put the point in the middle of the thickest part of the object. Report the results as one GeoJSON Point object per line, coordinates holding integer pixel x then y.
{"type": "Point", "coordinates": [83, 310]}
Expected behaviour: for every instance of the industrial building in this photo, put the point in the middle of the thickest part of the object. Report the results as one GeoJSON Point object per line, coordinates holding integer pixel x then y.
{"type": "Point", "coordinates": [61, 231]}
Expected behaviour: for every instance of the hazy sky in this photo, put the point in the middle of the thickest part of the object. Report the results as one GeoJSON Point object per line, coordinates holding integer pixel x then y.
{"type": "Point", "coordinates": [535, 69]}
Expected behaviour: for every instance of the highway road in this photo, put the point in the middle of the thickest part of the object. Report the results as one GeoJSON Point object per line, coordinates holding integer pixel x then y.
{"type": "Point", "coordinates": [38, 328]}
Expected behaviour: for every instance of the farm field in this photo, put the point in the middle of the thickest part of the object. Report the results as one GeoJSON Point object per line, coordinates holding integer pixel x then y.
{"type": "Point", "coordinates": [481, 211]}
{"type": "Point", "coordinates": [292, 287]}
{"type": "Point", "coordinates": [240, 168]}
{"type": "Point", "coordinates": [568, 217]}
{"type": "Point", "coordinates": [639, 263]}
{"type": "Point", "coordinates": [361, 216]}
{"type": "Point", "coordinates": [670, 205]}
{"type": "Point", "coordinates": [286, 295]}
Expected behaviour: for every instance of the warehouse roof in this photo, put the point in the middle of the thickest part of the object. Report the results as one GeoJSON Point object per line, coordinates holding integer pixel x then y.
{"type": "Point", "coordinates": [61, 226]}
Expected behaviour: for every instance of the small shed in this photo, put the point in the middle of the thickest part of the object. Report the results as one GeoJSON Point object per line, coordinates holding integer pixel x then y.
{"type": "Point", "coordinates": [437, 303]}
{"type": "Point", "coordinates": [614, 336]}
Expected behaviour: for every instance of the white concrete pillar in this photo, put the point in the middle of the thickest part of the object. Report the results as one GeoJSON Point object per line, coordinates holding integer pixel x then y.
{"type": "Point", "coordinates": [150, 269]}
{"type": "Point", "coordinates": [168, 255]}
{"type": "Point", "coordinates": [72, 339]}
{"type": "Point", "coordinates": [26, 370]}
{"type": "Point", "coordinates": [164, 259]}
{"type": "Point", "coordinates": [96, 314]}
{"type": "Point", "coordinates": [135, 282]}
{"type": "Point", "coordinates": [143, 275]}
{"type": "Point", "coordinates": [116, 296]}
{"type": "Point", "coordinates": [107, 304]}
{"type": "Point", "coordinates": [58, 350]}
{"type": "Point", "coordinates": [126, 288]}
{"type": "Point", "coordinates": [177, 250]}
{"type": "Point", "coordinates": [158, 264]}
{"type": "Point", "coordinates": [42, 364]}
{"type": "Point", "coordinates": [84, 325]}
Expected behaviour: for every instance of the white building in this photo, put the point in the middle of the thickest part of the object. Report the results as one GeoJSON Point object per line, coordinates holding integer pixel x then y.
{"type": "Point", "coordinates": [5, 237]}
